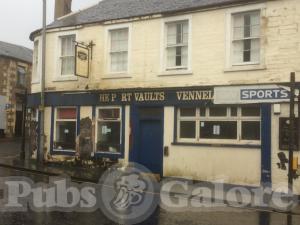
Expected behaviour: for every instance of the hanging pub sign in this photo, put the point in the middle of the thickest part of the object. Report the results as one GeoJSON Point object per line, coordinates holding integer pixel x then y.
{"type": "Point", "coordinates": [82, 60]}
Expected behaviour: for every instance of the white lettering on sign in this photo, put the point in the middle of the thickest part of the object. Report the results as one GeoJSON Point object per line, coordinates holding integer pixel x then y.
{"type": "Point", "coordinates": [256, 94]}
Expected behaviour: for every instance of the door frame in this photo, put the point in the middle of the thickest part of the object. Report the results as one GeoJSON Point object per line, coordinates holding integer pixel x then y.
{"type": "Point", "coordinates": [135, 134]}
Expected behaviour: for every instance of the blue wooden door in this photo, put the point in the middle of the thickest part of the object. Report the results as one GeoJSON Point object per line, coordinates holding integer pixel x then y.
{"type": "Point", "coordinates": [148, 139]}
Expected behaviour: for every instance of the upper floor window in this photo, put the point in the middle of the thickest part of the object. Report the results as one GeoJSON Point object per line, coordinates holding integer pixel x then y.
{"type": "Point", "coordinates": [67, 54]}
{"type": "Point", "coordinates": [119, 50]}
{"type": "Point", "coordinates": [246, 38]}
{"type": "Point", "coordinates": [35, 72]}
{"type": "Point", "coordinates": [177, 45]}
{"type": "Point", "coordinates": [21, 76]}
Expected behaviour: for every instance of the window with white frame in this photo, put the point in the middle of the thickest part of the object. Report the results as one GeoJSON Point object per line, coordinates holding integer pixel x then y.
{"type": "Point", "coordinates": [65, 129]}
{"type": "Point", "coordinates": [219, 123]}
{"type": "Point", "coordinates": [109, 126]}
{"type": "Point", "coordinates": [177, 42]}
{"type": "Point", "coordinates": [67, 54]}
{"type": "Point", "coordinates": [246, 38]}
{"type": "Point", "coordinates": [35, 73]}
{"type": "Point", "coordinates": [119, 50]}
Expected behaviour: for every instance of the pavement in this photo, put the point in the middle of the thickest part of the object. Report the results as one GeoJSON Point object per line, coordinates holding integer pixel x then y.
{"type": "Point", "coordinates": [9, 161]}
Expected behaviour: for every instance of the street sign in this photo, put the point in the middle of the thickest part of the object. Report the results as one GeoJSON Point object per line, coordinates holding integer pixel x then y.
{"type": "Point", "coordinates": [251, 94]}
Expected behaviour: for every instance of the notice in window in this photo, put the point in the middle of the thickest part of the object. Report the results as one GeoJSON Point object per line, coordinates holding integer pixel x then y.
{"type": "Point", "coordinates": [216, 129]}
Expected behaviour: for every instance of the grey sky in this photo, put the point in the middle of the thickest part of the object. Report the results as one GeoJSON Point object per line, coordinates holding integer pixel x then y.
{"type": "Point", "coordinates": [18, 18]}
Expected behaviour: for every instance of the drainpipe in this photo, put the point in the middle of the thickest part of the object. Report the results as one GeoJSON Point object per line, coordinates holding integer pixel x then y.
{"type": "Point", "coordinates": [292, 135]}
{"type": "Point", "coordinates": [40, 155]}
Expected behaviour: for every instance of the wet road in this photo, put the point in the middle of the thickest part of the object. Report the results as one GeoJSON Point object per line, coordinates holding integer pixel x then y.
{"type": "Point", "coordinates": [161, 217]}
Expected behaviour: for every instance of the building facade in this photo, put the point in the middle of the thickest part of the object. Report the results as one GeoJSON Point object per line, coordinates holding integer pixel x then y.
{"type": "Point", "coordinates": [15, 80]}
{"type": "Point", "coordinates": [188, 89]}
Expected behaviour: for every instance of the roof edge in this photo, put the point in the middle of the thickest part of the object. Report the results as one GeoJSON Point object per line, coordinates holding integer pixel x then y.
{"type": "Point", "coordinates": [212, 7]}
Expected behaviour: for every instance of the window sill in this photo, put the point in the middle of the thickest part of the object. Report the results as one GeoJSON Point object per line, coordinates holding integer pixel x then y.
{"type": "Point", "coordinates": [63, 152]}
{"type": "Point", "coordinates": [116, 76]}
{"type": "Point", "coordinates": [35, 82]}
{"type": "Point", "coordinates": [66, 78]}
{"type": "Point", "coordinates": [248, 67]}
{"type": "Point", "coordinates": [254, 146]}
{"type": "Point", "coordinates": [176, 73]}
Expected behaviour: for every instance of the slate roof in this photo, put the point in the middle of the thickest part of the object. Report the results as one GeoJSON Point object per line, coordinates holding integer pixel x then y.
{"type": "Point", "coordinates": [107, 10]}
{"type": "Point", "coordinates": [120, 9]}
{"type": "Point", "coordinates": [15, 52]}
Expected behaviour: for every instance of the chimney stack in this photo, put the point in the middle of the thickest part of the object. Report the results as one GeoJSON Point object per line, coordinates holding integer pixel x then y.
{"type": "Point", "coordinates": [62, 7]}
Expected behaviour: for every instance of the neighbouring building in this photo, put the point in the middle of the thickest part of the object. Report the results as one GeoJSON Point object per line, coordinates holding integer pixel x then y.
{"type": "Point", "coordinates": [191, 89]}
{"type": "Point", "coordinates": [15, 79]}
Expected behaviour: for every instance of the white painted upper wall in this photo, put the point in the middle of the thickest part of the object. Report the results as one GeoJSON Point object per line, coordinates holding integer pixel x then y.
{"type": "Point", "coordinates": [209, 51]}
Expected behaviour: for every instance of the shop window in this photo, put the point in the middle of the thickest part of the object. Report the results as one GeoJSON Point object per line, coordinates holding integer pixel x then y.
{"type": "Point", "coordinates": [67, 56]}
{"type": "Point", "coordinates": [219, 124]}
{"type": "Point", "coordinates": [218, 111]}
{"type": "Point", "coordinates": [218, 130]}
{"type": "Point", "coordinates": [109, 130]}
{"type": "Point", "coordinates": [250, 130]}
{"type": "Point", "coordinates": [188, 129]}
{"type": "Point", "coordinates": [65, 129]}
{"type": "Point", "coordinates": [188, 112]}
{"type": "Point", "coordinates": [252, 111]}
{"type": "Point", "coordinates": [119, 50]}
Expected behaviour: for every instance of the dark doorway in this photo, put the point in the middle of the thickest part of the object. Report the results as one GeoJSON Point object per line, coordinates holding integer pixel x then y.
{"type": "Point", "coordinates": [148, 138]}
{"type": "Point", "coordinates": [19, 123]}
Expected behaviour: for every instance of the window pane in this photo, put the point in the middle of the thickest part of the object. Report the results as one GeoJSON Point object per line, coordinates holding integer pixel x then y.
{"type": "Point", "coordinates": [66, 113]}
{"type": "Point", "coordinates": [247, 50]}
{"type": "Point", "coordinates": [109, 114]}
{"type": "Point", "coordinates": [251, 111]}
{"type": "Point", "coordinates": [238, 25]}
{"type": "Point", "coordinates": [171, 36]}
{"type": "Point", "coordinates": [177, 33]}
{"type": "Point", "coordinates": [185, 29]}
{"type": "Point", "coordinates": [68, 65]}
{"type": "Point", "coordinates": [202, 111]}
{"type": "Point", "coordinates": [21, 76]}
{"type": "Point", "coordinates": [218, 111]}
{"type": "Point", "coordinates": [233, 111]}
{"type": "Point", "coordinates": [109, 136]}
{"type": "Point", "coordinates": [255, 50]}
{"type": "Point", "coordinates": [238, 48]}
{"type": "Point", "coordinates": [171, 57]}
{"type": "Point", "coordinates": [68, 45]}
{"type": "Point", "coordinates": [119, 40]}
{"type": "Point", "coordinates": [65, 135]}
{"type": "Point", "coordinates": [250, 130]}
{"type": "Point", "coordinates": [187, 129]}
{"type": "Point", "coordinates": [218, 129]}
{"type": "Point", "coordinates": [247, 25]}
{"type": "Point", "coordinates": [119, 61]}
{"type": "Point", "coordinates": [188, 112]}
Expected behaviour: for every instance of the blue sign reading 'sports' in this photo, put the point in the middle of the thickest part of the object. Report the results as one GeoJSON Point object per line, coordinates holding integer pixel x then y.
{"type": "Point", "coordinates": [264, 94]}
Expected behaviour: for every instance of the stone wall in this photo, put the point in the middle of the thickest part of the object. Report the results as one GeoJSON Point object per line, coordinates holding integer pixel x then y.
{"type": "Point", "coordinates": [10, 89]}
